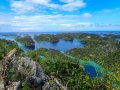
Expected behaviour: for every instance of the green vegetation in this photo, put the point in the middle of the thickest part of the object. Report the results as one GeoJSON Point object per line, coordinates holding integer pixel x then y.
{"type": "Point", "coordinates": [66, 36]}
{"type": "Point", "coordinates": [12, 75]}
{"type": "Point", "coordinates": [25, 85]}
{"type": "Point", "coordinates": [113, 36]}
{"type": "Point", "coordinates": [66, 66]}
{"type": "Point", "coordinates": [63, 36]}
{"type": "Point", "coordinates": [54, 38]}
{"type": "Point", "coordinates": [69, 71]}
{"type": "Point", "coordinates": [6, 46]}
{"type": "Point", "coordinates": [26, 40]}
{"type": "Point", "coordinates": [105, 51]}
{"type": "Point", "coordinates": [46, 37]}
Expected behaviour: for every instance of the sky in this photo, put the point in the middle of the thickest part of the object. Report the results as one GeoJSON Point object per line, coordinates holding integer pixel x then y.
{"type": "Point", "coordinates": [59, 15]}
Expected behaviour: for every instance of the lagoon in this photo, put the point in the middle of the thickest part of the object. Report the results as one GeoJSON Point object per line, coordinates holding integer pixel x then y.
{"type": "Point", "coordinates": [91, 68]}
{"type": "Point", "coordinates": [62, 45]}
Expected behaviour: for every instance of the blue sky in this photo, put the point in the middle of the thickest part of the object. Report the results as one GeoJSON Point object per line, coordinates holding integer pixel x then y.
{"type": "Point", "coordinates": [59, 15]}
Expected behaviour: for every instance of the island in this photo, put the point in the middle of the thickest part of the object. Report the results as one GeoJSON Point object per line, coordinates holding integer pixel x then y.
{"type": "Point", "coordinates": [46, 37]}
{"type": "Point", "coordinates": [83, 68]}
{"type": "Point", "coordinates": [27, 41]}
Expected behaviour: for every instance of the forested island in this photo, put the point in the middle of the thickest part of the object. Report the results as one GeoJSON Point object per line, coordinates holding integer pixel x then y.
{"type": "Point", "coordinates": [96, 66]}
{"type": "Point", "coordinates": [26, 41]}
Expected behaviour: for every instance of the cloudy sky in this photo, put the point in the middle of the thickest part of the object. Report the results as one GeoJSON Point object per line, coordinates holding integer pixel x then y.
{"type": "Point", "coordinates": [59, 15]}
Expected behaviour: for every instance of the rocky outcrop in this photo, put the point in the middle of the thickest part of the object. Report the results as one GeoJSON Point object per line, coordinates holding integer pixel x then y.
{"type": "Point", "coordinates": [33, 71]}
{"type": "Point", "coordinates": [14, 86]}
{"type": "Point", "coordinates": [26, 69]}
{"type": "Point", "coordinates": [38, 79]}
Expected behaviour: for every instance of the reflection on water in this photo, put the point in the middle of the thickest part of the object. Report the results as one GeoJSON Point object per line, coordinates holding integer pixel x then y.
{"type": "Point", "coordinates": [91, 68]}
{"type": "Point", "coordinates": [61, 45]}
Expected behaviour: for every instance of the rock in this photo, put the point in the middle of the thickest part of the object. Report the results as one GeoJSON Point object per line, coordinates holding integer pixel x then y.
{"type": "Point", "coordinates": [32, 71]}
{"type": "Point", "coordinates": [29, 70]}
{"type": "Point", "coordinates": [1, 85]}
{"type": "Point", "coordinates": [26, 67]}
{"type": "Point", "coordinates": [36, 82]}
{"type": "Point", "coordinates": [38, 79]}
{"type": "Point", "coordinates": [14, 86]}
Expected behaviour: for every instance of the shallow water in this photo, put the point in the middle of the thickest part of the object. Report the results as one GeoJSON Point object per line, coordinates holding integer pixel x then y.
{"type": "Point", "coordinates": [91, 67]}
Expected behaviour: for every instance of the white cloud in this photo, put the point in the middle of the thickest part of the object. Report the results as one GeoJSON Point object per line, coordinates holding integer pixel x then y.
{"type": "Point", "coordinates": [73, 5]}
{"type": "Point", "coordinates": [47, 23]}
{"type": "Point", "coordinates": [42, 2]}
{"type": "Point", "coordinates": [23, 6]}
{"type": "Point", "coordinates": [87, 15]}
{"type": "Point", "coordinates": [46, 3]}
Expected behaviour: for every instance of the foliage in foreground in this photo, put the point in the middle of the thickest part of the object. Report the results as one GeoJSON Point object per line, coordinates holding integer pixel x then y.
{"type": "Point", "coordinates": [6, 46]}
{"type": "Point", "coordinates": [105, 52]}
{"type": "Point", "coordinates": [70, 72]}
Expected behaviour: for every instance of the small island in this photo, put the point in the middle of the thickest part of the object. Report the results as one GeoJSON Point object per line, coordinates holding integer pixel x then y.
{"type": "Point", "coordinates": [88, 67]}
{"type": "Point", "coordinates": [27, 41]}
{"type": "Point", "coordinates": [113, 35]}
{"type": "Point", "coordinates": [63, 36]}
{"type": "Point", "coordinates": [46, 37]}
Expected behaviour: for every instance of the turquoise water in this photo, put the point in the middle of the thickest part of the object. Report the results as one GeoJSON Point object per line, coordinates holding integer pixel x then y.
{"type": "Point", "coordinates": [91, 68]}
{"type": "Point", "coordinates": [61, 45]}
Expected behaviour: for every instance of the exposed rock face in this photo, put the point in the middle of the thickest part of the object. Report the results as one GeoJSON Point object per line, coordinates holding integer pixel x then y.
{"type": "Point", "coordinates": [1, 85]}
{"type": "Point", "coordinates": [14, 86]}
{"type": "Point", "coordinates": [38, 79]}
{"type": "Point", "coordinates": [32, 70]}
{"type": "Point", "coordinates": [28, 69]}
{"type": "Point", "coordinates": [24, 65]}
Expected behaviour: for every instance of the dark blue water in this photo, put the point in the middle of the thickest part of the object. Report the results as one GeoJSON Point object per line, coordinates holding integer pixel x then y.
{"type": "Point", "coordinates": [91, 67]}
{"type": "Point", "coordinates": [61, 45]}
{"type": "Point", "coordinates": [90, 70]}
